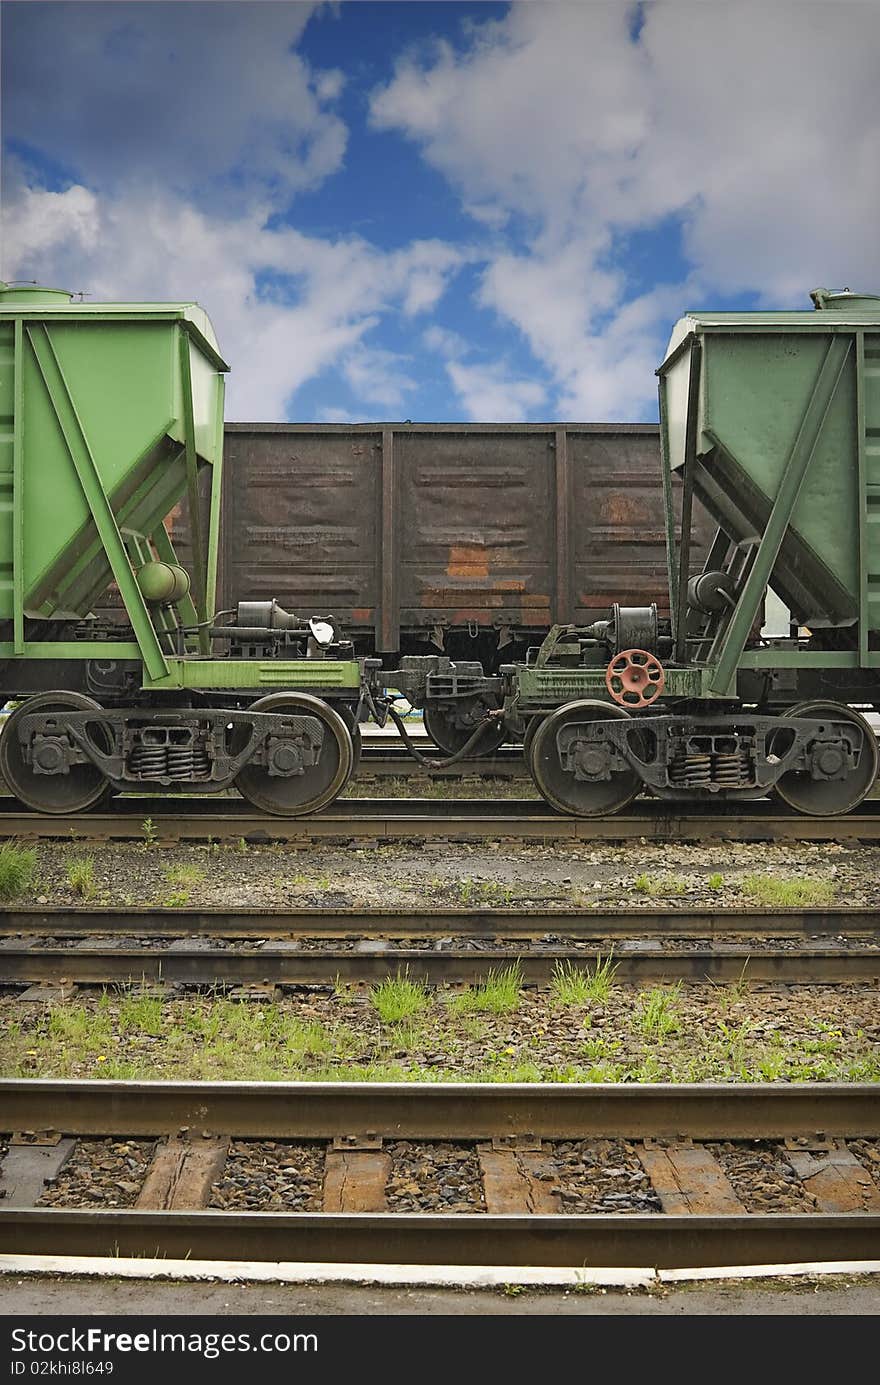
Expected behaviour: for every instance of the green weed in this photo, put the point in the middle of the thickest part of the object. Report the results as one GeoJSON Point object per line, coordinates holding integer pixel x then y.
{"type": "Point", "coordinates": [597, 1049]}
{"type": "Point", "coordinates": [497, 995]}
{"type": "Point", "coordinates": [484, 892]}
{"type": "Point", "coordinates": [654, 885]}
{"type": "Point", "coordinates": [788, 894]}
{"type": "Point", "coordinates": [573, 985]}
{"type": "Point", "coordinates": [657, 1013]}
{"type": "Point", "coordinates": [81, 876]}
{"type": "Point", "coordinates": [142, 1014]}
{"type": "Point", "coordinates": [17, 867]}
{"type": "Point", "coordinates": [397, 998]}
{"type": "Point", "coordinates": [185, 875]}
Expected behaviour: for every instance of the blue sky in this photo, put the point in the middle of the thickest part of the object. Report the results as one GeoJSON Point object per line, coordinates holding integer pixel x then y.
{"type": "Point", "coordinates": [442, 211]}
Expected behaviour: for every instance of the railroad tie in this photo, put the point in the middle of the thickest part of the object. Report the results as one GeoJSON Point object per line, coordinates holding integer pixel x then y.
{"type": "Point", "coordinates": [182, 1173]}
{"type": "Point", "coordinates": [688, 1179]}
{"type": "Point", "coordinates": [355, 1180]}
{"type": "Point", "coordinates": [835, 1180]}
{"type": "Point", "coordinates": [512, 1180]}
{"type": "Point", "coordinates": [32, 1162]}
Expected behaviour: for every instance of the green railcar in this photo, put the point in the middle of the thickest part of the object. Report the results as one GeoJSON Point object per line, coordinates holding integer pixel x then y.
{"type": "Point", "coordinates": [771, 421]}
{"type": "Point", "coordinates": [112, 416]}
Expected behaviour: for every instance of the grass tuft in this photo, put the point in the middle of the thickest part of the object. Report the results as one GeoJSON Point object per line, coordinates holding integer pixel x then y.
{"type": "Point", "coordinates": [573, 985]}
{"type": "Point", "coordinates": [788, 894]}
{"type": "Point", "coordinates": [657, 1014]}
{"type": "Point", "coordinates": [497, 995]}
{"type": "Point", "coordinates": [185, 876]}
{"type": "Point", "coordinates": [177, 899]}
{"type": "Point", "coordinates": [81, 875]}
{"type": "Point", "coordinates": [17, 866]}
{"type": "Point", "coordinates": [397, 998]}
{"type": "Point", "coordinates": [654, 885]}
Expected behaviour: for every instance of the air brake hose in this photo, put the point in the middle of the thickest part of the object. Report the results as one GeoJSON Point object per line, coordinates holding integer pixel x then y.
{"type": "Point", "coordinates": [450, 760]}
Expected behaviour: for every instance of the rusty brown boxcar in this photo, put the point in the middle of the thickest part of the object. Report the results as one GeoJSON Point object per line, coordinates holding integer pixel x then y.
{"type": "Point", "coordinates": [471, 538]}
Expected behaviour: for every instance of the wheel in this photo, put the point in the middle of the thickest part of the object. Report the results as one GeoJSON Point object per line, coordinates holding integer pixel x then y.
{"type": "Point", "coordinates": [528, 741]}
{"type": "Point", "coordinates": [451, 738]}
{"type": "Point", "coordinates": [827, 797]}
{"type": "Point", "coordinates": [81, 788]}
{"type": "Point", "coordinates": [354, 731]}
{"type": "Point", "coordinates": [292, 795]}
{"type": "Point", "coordinates": [584, 798]}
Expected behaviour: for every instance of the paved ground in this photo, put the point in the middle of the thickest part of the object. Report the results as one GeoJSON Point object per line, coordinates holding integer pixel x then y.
{"type": "Point", "coordinates": [82, 1296]}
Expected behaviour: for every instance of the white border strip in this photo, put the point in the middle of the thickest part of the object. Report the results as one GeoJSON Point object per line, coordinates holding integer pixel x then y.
{"type": "Point", "coordinates": [806, 1267]}
{"type": "Point", "coordinates": [305, 1272]}
{"type": "Point", "coordinates": [427, 1276]}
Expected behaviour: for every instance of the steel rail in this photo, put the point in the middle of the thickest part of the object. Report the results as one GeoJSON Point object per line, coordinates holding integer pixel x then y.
{"type": "Point", "coordinates": [609, 1240]}
{"type": "Point", "coordinates": [442, 1110]}
{"type": "Point", "coordinates": [438, 820]}
{"type": "Point", "coordinates": [270, 967]}
{"type": "Point", "coordinates": [379, 763]}
{"type": "Point", "coordinates": [459, 1112]}
{"type": "Point", "coordinates": [534, 922]}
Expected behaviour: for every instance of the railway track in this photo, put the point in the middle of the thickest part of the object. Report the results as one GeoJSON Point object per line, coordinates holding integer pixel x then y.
{"type": "Point", "coordinates": [269, 968]}
{"type": "Point", "coordinates": [430, 924]}
{"type": "Point", "coordinates": [395, 762]}
{"type": "Point", "coordinates": [656, 1173]}
{"type": "Point", "coordinates": [206, 819]}
{"type": "Point", "coordinates": [317, 948]}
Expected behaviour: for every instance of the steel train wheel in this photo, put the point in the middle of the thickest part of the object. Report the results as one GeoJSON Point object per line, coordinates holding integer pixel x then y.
{"type": "Point", "coordinates": [451, 739]}
{"type": "Point", "coordinates": [354, 731]}
{"type": "Point", "coordinates": [297, 794]}
{"type": "Point", "coordinates": [827, 797]}
{"type": "Point", "coordinates": [82, 787]}
{"type": "Point", "coordinates": [528, 741]}
{"type": "Point", "coordinates": [580, 797]}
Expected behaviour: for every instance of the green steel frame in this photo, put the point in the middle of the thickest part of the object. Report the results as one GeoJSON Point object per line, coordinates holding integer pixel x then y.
{"type": "Point", "coordinates": [127, 546]}
{"type": "Point", "coordinates": [847, 344]}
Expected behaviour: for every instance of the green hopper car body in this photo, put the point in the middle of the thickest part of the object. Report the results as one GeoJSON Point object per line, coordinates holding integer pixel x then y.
{"type": "Point", "coordinates": [772, 422]}
{"type": "Point", "coordinates": [112, 416]}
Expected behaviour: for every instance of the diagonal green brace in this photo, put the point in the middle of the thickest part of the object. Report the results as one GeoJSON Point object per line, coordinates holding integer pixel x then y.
{"type": "Point", "coordinates": [793, 476]}
{"type": "Point", "coordinates": [96, 496]}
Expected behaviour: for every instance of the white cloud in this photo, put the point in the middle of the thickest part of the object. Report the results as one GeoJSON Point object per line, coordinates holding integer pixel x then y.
{"type": "Point", "coordinates": [444, 342]}
{"type": "Point", "coordinates": [176, 95]}
{"type": "Point", "coordinates": [756, 126]}
{"type": "Point", "coordinates": [488, 392]}
{"type": "Point", "coordinates": [332, 415]}
{"type": "Point", "coordinates": [162, 248]}
{"type": "Point", "coordinates": [47, 221]}
{"type": "Point", "coordinates": [378, 376]}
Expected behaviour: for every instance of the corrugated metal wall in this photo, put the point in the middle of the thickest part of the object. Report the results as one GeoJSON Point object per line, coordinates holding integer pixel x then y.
{"type": "Point", "coordinates": [401, 528]}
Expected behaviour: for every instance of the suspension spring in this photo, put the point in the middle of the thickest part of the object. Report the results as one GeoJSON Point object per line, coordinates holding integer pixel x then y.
{"type": "Point", "coordinates": [181, 762]}
{"type": "Point", "coordinates": [691, 771]}
{"type": "Point", "coordinates": [149, 761]}
{"type": "Point", "coordinates": [732, 770]}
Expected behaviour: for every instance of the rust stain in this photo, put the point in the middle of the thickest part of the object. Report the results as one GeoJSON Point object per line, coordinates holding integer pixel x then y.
{"type": "Point", "coordinates": [468, 560]}
{"type": "Point", "coordinates": [623, 509]}
{"type": "Point", "coordinates": [362, 614]}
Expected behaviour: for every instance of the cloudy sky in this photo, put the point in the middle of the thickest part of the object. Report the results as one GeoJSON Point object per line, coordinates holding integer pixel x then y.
{"type": "Point", "coordinates": [443, 211]}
